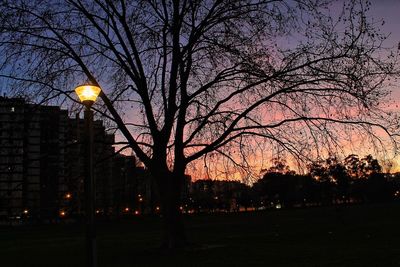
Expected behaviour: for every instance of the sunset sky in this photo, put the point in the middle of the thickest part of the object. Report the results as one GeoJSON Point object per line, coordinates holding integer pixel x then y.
{"type": "Point", "coordinates": [386, 14]}
{"type": "Point", "coordinates": [389, 12]}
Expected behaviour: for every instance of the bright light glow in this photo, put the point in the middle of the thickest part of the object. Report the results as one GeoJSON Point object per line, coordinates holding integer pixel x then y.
{"type": "Point", "coordinates": [157, 208]}
{"type": "Point", "coordinates": [26, 211]}
{"type": "Point", "coordinates": [126, 209]}
{"type": "Point", "coordinates": [87, 93]}
{"type": "Point", "coordinates": [136, 212]}
{"type": "Point", "coordinates": [140, 199]}
{"type": "Point", "coordinates": [68, 196]}
{"type": "Point", "coordinates": [97, 211]}
{"type": "Point", "coordinates": [62, 213]}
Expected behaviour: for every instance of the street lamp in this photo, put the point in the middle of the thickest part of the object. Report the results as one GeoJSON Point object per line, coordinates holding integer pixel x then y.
{"type": "Point", "coordinates": [87, 95]}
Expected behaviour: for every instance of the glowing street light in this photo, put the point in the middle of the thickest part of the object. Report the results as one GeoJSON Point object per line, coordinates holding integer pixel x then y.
{"type": "Point", "coordinates": [87, 95]}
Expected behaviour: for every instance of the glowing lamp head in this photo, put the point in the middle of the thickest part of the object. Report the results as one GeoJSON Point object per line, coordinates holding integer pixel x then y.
{"type": "Point", "coordinates": [87, 93]}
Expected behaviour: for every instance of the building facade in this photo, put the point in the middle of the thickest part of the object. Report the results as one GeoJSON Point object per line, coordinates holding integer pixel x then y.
{"type": "Point", "coordinates": [103, 155]}
{"type": "Point", "coordinates": [32, 158]}
{"type": "Point", "coordinates": [42, 163]}
{"type": "Point", "coordinates": [42, 157]}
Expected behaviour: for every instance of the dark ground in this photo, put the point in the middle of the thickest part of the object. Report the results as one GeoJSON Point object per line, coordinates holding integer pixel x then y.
{"type": "Point", "coordinates": [350, 236]}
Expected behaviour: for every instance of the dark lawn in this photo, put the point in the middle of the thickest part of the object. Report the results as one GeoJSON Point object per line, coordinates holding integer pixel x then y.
{"type": "Point", "coordinates": [349, 236]}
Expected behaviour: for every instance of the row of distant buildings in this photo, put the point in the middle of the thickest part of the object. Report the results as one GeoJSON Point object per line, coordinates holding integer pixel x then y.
{"type": "Point", "coordinates": [42, 166]}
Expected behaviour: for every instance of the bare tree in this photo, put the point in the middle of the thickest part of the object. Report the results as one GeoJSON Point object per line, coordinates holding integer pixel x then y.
{"type": "Point", "coordinates": [186, 80]}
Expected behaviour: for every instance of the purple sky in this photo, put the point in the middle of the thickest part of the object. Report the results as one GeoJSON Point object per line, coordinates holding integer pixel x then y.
{"type": "Point", "coordinates": [389, 11]}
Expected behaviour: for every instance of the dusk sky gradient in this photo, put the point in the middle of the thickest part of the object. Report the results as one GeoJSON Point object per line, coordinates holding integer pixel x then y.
{"type": "Point", "coordinates": [386, 14]}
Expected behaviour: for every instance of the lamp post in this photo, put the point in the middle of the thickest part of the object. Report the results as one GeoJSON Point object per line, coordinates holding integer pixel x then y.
{"type": "Point", "coordinates": [87, 95]}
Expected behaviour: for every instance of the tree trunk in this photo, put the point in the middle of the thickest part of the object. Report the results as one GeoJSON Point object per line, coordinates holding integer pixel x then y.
{"type": "Point", "coordinates": [170, 187]}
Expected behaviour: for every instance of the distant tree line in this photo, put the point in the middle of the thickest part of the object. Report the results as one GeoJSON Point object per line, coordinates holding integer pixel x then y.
{"type": "Point", "coordinates": [215, 196]}
{"type": "Point", "coordinates": [327, 182]}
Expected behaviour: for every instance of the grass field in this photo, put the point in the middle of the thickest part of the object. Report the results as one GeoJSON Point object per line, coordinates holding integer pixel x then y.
{"type": "Point", "coordinates": [355, 236]}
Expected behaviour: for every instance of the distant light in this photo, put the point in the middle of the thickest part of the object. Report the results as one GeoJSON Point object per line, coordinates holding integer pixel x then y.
{"type": "Point", "coordinates": [62, 213]}
{"type": "Point", "coordinates": [136, 212]}
{"type": "Point", "coordinates": [140, 199]}
{"type": "Point", "coordinates": [88, 93]}
{"type": "Point", "coordinates": [68, 196]}
{"type": "Point", "coordinates": [181, 208]}
{"type": "Point", "coordinates": [126, 209]}
{"type": "Point", "coordinates": [97, 211]}
{"type": "Point", "coordinates": [26, 211]}
{"type": "Point", "coordinates": [157, 208]}
{"type": "Point", "coordinates": [278, 206]}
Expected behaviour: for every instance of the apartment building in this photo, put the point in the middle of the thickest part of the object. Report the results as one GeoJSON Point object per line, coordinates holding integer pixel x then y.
{"type": "Point", "coordinates": [32, 158]}
{"type": "Point", "coordinates": [42, 163]}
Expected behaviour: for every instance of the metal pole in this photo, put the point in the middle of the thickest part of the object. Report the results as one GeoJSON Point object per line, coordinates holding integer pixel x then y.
{"type": "Point", "coordinates": [90, 191]}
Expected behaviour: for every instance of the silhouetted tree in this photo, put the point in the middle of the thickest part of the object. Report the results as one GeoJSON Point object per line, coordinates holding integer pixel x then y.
{"type": "Point", "coordinates": [377, 188]}
{"type": "Point", "coordinates": [320, 172]}
{"type": "Point", "coordinates": [281, 185]}
{"type": "Point", "coordinates": [288, 189]}
{"type": "Point", "coordinates": [353, 166]}
{"type": "Point", "coordinates": [338, 173]}
{"type": "Point", "coordinates": [279, 166]}
{"type": "Point", "coordinates": [189, 79]}
{"type": "Point", "coordinates": [370, 166]}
